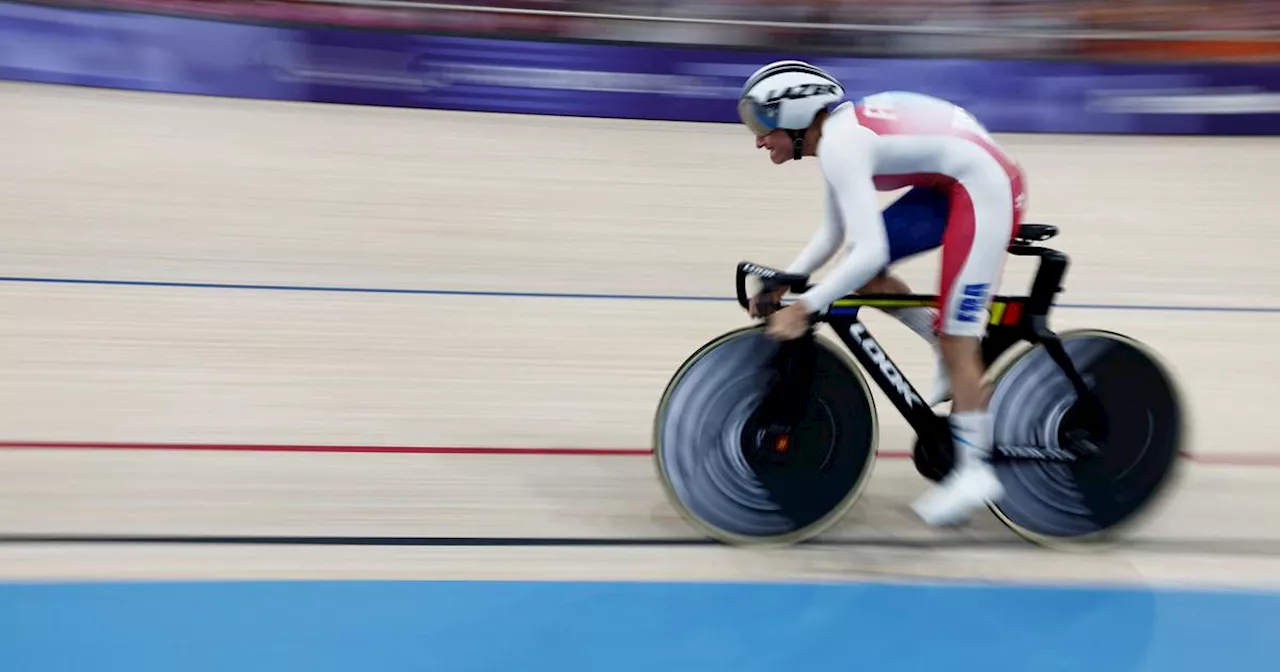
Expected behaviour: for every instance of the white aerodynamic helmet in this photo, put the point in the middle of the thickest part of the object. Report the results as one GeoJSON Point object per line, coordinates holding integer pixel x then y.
{"type": "Point", "coordinates": [786, 95]}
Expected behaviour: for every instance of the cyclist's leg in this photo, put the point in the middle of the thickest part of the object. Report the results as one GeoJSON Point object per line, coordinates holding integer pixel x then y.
{"type": "Point", "coordinates": [923, 320]}
{"type": "Point", "coordinates": [975, 246]}
{"type": "Point", "coordinates": [915, 223]}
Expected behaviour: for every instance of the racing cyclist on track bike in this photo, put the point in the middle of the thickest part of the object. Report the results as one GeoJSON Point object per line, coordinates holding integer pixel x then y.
{"type": "Point", "coordinates": [966, 195]}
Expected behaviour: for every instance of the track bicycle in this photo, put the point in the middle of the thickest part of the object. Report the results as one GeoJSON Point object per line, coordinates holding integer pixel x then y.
{"type": "Point", "coordinates": [762, 442]}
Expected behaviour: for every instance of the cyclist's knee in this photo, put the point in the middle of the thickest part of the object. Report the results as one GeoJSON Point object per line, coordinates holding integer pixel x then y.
{"type": "Point", "coordinates": [884, 283]}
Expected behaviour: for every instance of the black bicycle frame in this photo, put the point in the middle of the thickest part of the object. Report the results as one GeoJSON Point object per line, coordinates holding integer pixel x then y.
{"type": "Point", "coordinates": [1013, 319]}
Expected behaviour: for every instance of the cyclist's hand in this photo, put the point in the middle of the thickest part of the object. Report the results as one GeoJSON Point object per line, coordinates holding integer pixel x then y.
{"type": "Point", "coordinates": [788, 323]}
{"type": "Point", "coordinates": [761, 305]}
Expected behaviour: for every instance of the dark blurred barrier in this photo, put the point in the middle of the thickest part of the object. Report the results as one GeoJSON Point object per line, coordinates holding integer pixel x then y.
{"type": "Point", "coordinates": [324, 63]}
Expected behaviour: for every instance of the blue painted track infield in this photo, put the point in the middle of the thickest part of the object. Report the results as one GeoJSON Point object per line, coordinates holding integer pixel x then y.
{"type": "Point", "coordinates": [607, 627]}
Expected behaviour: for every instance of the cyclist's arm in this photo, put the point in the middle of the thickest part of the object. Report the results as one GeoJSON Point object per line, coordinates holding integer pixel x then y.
{"type": "Point", "coordinates": [825, 241]}
{"type": "Point", "coordinates": [849, 174]}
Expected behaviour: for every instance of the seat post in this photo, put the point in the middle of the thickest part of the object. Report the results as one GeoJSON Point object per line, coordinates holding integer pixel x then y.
{"type": "Point", "coordinates": [1048, 279]}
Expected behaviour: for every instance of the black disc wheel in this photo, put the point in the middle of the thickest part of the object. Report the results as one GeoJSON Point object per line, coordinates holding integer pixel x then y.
{"type": "Point", "coordinates": [1074, 472]}
{"type": "Point", "coordinates": [749, 463]}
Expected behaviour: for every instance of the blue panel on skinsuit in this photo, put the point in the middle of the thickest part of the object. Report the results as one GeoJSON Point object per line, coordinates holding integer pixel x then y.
{"type": "Point", "coordinates": [654, 627]}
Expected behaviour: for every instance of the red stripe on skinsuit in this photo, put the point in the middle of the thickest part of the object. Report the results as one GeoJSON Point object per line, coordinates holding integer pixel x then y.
{"type": "Point", "coordinates": [956, 244]}
{"type": "Point", "coordinates": [941, 125]}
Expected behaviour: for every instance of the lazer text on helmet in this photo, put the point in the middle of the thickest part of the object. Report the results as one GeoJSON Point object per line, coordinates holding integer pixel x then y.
{"type": "Point", "coordinates": [800, 91]}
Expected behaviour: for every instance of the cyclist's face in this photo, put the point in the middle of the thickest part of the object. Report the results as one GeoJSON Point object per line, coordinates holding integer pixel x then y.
{"type": "Point", "coordinates": [779, 145]}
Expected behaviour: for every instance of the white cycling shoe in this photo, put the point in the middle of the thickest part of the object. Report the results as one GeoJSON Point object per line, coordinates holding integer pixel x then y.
{"type": "Point", "coordinates": [970, 487]}
{"type": "Point", "coordinates": [972, 484]}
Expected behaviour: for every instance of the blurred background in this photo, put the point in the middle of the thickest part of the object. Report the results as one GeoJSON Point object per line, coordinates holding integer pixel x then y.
{"type": "Point", "coordinates": [207, 301]}
{"type": "Point", "coordinates": [1126, 30]}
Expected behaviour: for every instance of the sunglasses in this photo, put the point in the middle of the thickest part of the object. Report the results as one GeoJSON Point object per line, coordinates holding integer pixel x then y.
{"type": "Point", "coordinates": [761, 119]}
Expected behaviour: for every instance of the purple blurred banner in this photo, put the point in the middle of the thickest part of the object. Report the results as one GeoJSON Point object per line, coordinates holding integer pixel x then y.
{"type": "Point", "coordinates": [159, 53]}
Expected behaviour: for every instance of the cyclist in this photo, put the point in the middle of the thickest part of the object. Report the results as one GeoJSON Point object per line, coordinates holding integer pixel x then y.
{"type": "Point", "coordinates": [966, 195]}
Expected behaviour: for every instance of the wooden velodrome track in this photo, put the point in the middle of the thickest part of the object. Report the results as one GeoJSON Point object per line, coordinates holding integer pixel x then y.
{"type": "Point", "coordinates": [163, 256]}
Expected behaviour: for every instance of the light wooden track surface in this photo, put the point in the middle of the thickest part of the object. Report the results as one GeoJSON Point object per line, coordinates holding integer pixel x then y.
{"type": "Point", "coordinates": [113, 186]}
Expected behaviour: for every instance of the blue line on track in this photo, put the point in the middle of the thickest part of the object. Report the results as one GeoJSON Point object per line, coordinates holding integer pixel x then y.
{"type": "Point", "coordinates": [556, 295]}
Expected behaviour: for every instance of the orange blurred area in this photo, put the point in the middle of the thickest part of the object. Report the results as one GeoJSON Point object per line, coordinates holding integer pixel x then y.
{"type": "Point", "coordinates": [1242, 51]}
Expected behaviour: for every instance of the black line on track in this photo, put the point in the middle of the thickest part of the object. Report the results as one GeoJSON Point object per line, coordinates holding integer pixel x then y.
{"type": "Point", "coordinates": [1264, 548]}
{"type": "Point", "coordinates": [511, 542]}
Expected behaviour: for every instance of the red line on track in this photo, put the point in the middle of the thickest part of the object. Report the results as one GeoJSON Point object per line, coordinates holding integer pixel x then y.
{"type": "Point", "coordinates": [1232, 459]}
{"type": "Point", "coordinates": [286, 448]}
{"type": "Point", "coordinates": [272, 448]}
{"type": "Point", "coordinates": [1237, 459]}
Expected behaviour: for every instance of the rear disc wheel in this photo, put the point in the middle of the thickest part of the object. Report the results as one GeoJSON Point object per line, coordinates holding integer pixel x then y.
{"type": "Point", "coordinates": [1084, 501]}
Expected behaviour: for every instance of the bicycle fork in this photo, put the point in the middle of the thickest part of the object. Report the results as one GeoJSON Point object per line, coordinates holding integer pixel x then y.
{"type": "Point", "coordinates": [784, 405]}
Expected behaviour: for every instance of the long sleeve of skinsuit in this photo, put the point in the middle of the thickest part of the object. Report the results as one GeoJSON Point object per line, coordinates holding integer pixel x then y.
{"type": "Point", "coordinates": [845, 154]}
